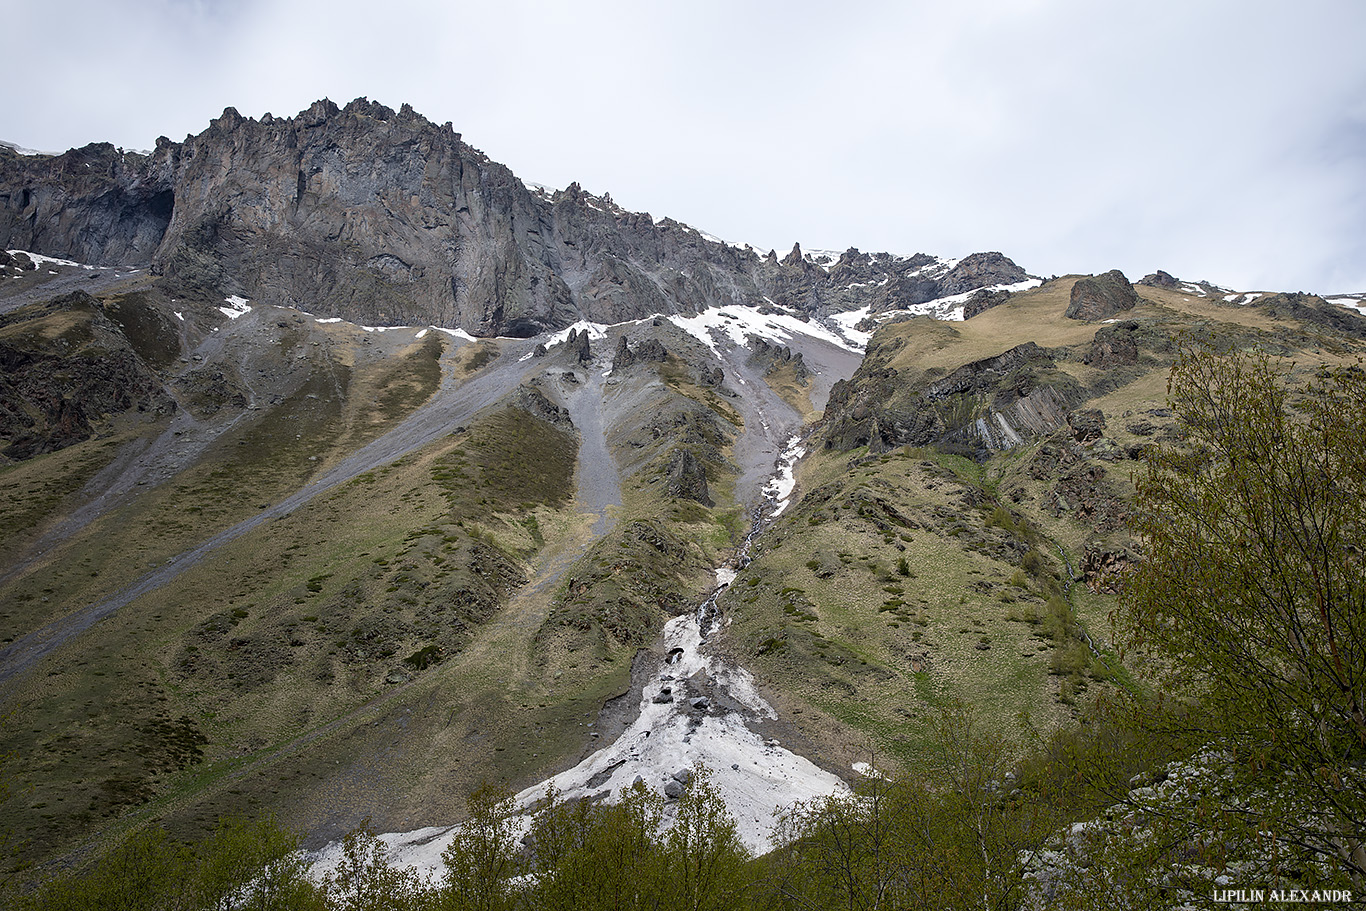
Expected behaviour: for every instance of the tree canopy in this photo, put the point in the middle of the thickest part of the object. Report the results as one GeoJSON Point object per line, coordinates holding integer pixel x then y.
{"type": "Point", "coordinates": [1251, 592]}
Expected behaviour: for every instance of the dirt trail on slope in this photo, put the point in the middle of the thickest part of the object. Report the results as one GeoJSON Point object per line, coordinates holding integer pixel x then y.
{"type": "Point", "coordinates": [500, 645]}
{"type": "Point", "coordinates": [453, 405]}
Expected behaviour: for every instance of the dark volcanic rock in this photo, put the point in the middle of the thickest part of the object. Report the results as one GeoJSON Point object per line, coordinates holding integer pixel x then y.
{"type": "Point", "coordinates": [1114, 346]}
{"type": "Point", "coordinates": [533, 401]}
{"type": "Point", "coordinates": [578, 345]}
{"type": "Point", "coordinates": [1160, 279]}
{"type": "Point", "coordinates": [687, 478]}
{"type": "Point", "coordinates": [1103, 566]}
{"type": "Point", "coordinates": [623, 357]}
{"type": "Point", "coordinates": [772, 357]}
{"type": "Point", "coordinates": [1101, 297]}
{"type": "Point", "coordinates": [16, 261]}
{"type": "Point", "coordinates": [983, 301]}
{"type": "Point", "coordinates": [1088, 424]}
{"type": "Point", "coordinates": [372, 214]}
{"type": "Point", "coordinates": [96, 204]}
{"type": "Point", "coordinates": [1314, 310]}
{"type": "Point", "coordinates": [652, 349]}
{"type": "Point", "coordinates": [980, 270]}
{"type": "Point", "coordinates": [993, 403]}
{"type": "Point", "coordinates": [985, 374]}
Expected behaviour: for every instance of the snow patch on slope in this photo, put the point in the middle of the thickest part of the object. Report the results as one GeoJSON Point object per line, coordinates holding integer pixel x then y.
{"type": "Point", "coordinates": [754, 776]}
{"type": "Point", "coordinates": [41, 260]}
{"type": "Point", "coordinates": [595, 332]}
{"type": "Point", "coordinates": [845, 323]}
{"type": "Point", "coordinates": [1355, 302]}
{"type": "Point", "coordinates": [236, 307]}
{"type": "Point", "coordinates": [780, 488]}
{"type": "Point", "coordinates": [737, 323]}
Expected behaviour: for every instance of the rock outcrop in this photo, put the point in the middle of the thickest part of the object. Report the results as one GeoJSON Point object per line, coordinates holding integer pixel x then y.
{"type": "Point", "coordinates": [1314, 310]}
{"type": "Point", "coordinates": [577, 345]}
{"type": "Point", "coordinates": [1160, 279]}
{"type": "Point", "coordinates": [991, 404]}
{"type": "Point", "coordinates": [687, 479]}
{"type": "Point", "coordinates": [650, 350]}
{"type": "Point", "coordinates": [54, 392]}
{"type": "Point", "coordinates": [1101, 297]}
{"type": "Point", "coordinates": [774, 357]}
{"type": "Point", "coordinates": [1114, 346]}
{"type": "Point", "coordinates": [96, 204]}
{"type": "Point", "coordinates": [1103, 566]}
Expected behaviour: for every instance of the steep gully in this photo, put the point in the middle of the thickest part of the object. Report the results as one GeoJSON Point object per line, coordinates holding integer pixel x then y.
{"type": "Point", "coordinates": [694, 709]}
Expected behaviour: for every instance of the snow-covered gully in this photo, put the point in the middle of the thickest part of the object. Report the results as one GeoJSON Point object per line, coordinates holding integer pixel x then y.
{"type": "Point", "coordinates": [695, 709]}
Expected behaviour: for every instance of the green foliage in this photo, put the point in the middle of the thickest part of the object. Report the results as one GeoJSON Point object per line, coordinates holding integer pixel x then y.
{"type": "Point", "coordinates": [365, 879]}
{"type": "Point", "coordinates": [482, 859]}
{"type": "Point", "coordinates": [590, 856]}
{"type": "Point", "coordinates": [948, 836]}
{"type": "Point", "coordinates": [705, 857]}
{"type": "Point", "coordinates": [246, 865]}
{"type": "Point", "coordinates": [1252, 587]}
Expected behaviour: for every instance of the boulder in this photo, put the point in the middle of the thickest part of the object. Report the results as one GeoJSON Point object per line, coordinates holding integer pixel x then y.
{"type": "Point", "coordinates": [1087, 424]}
{"type": "Point", "coordinates": [1101, 297]}
{"type": "Point", "coordinates": [1114, 346]}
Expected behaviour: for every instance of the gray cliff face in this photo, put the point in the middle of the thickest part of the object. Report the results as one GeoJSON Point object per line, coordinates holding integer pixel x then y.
{"type": "Point", "coordinates": [95, 205]}
{"type": "Point", "coordinates": [377, 216]}
{"type": "Point", "coordinates": [383, 217]}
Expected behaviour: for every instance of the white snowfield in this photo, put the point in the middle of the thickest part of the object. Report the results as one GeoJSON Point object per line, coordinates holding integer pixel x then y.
{"type": "Point", "coordinates": [236, 307]}
{"type": "Point", "coordinates": [1356, 302]}
{"type": "Point", "coordinates": [755, 777]}
{"type": "Point", "coordinates": [738, 322]}
{"type": "Point", "coordinates": [845, 323]}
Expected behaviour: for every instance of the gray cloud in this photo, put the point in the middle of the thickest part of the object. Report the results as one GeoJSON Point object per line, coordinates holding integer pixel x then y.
{"type": "Point", "coordinates": [1219, 140]}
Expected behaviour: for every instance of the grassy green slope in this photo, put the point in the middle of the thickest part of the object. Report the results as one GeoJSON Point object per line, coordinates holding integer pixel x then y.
{"type": "Point", "coordinates": [908, 578]}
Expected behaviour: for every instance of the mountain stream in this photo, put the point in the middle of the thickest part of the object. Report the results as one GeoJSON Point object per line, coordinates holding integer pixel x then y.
{"type": "Point", "coordinates": [694, 709]}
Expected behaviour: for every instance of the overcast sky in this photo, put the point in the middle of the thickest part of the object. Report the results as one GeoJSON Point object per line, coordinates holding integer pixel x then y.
{"type": "Point", "coordinates": [1217, 140]}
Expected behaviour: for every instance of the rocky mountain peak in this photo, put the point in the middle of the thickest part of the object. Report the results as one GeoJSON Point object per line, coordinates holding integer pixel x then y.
{"type": "Point", "coordinates": [383, 218]}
